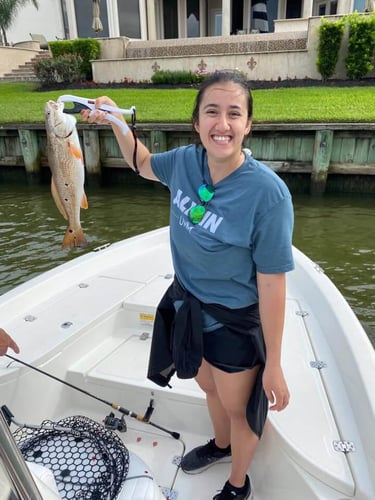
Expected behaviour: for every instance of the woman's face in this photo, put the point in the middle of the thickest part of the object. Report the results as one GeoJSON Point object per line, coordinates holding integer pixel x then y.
{"type": "Point", "coordinates": [223, 121]}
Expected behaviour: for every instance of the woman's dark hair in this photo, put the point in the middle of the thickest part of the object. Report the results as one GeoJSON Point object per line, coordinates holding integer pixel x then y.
{"type": "Point", "coordinates": [222, 77]}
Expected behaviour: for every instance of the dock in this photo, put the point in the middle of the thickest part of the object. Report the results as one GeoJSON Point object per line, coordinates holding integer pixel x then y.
{"type": "Point", "coordinates": [312, 153]}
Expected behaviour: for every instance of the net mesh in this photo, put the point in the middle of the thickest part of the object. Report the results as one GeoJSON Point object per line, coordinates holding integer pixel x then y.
{"type": "Point", "coordinates": [88, 461]}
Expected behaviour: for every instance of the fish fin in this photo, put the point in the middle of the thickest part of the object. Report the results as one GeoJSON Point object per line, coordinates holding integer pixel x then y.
{"type": "Point", "coordinates": [74, 238]}
{"type": "Point", "coordinates": [84, 202]}
{"type": "Point", "coordinates": [57, 200]}
{"type": "Point", "coordinates": [76, 152]}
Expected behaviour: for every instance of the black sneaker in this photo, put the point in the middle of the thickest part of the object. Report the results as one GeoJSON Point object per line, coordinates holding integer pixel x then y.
{"type": "Point", "coordinates": [202, 457]}
{"type": "Point", "coordinates": [230, 493]}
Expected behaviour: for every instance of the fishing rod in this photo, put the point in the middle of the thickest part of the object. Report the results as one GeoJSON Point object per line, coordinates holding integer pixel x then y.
{"type": "Point", "coordinates": [145, 419]}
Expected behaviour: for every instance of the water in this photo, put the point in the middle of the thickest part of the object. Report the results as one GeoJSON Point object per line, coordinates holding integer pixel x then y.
{"type": "Point", "coordinates": [336, 231]}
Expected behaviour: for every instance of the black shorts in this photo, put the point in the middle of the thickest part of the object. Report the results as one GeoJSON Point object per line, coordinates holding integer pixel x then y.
{"type": "Point", "coordinates": [232, 351]}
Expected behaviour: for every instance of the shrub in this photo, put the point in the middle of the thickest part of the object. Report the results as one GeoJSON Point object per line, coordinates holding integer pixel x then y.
{"type": "Point", "coordinates": [87, 48]}
{"type": "Point", "coordinates": [65, 68]}
{"type": "Point", "coordinates": [60, 48]}
{"type": "Point", "coordinates": [176, 77]}
{"type": "Point", "coordinates": [45, 71]}
{"type": "Point", "coordinates": [361, 45]}
{"type": "Point", "coordinates": [69, 68]}
{"type": "Point", "coordinates": [330, 38]}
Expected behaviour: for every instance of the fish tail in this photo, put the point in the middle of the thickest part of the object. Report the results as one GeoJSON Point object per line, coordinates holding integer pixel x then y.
{"type": "Point", "coordinates": [74, 238]}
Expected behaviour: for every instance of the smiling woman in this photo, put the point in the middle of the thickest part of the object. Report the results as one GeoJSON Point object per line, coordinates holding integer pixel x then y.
{"type": "Point", "coordinates": [231, 263]}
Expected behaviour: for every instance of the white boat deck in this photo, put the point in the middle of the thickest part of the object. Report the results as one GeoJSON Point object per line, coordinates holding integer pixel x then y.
{"type": "Point", "coordinates": [96, 334]}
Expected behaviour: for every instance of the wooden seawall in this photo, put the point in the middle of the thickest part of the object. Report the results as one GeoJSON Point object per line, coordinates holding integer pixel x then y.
{"type": "Point", "coordinates": [316, 151]}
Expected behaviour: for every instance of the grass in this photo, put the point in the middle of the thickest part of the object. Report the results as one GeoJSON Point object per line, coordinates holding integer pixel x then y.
{"type": "Point", "coordinates": [21, 103]}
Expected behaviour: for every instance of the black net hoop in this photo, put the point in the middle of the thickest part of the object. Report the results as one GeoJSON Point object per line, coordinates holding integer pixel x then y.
{"type": "Point", "coordinates": [88, 461]}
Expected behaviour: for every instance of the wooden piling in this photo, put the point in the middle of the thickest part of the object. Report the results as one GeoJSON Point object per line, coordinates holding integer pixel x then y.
{"type": "Point", "coordinates": [91, 148]}
{"type": "Point", "coordinates": [30, 150]}
{"type": "Point", "coordinates": [321, 160]}
{"type": "Point", "coordinates": [158, 140]}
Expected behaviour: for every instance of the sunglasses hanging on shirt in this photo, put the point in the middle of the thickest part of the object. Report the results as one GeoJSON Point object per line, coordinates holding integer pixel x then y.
{"type": "Point", "coordinates": [205, 192]}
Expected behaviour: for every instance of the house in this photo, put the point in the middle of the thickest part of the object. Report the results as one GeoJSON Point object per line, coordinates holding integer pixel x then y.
{"type": "Point", "coordinates": [264, 39]}
{"type": "Point", "coordinates": [170, 19]}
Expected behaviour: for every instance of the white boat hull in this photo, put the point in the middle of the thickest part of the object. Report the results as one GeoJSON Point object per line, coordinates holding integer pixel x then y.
{"type": "Point", "coordinates": [89, 322]}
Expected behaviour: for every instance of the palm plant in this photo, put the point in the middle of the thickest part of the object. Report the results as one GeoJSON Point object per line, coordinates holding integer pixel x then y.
{"type": "Point", "coordinates": [9, 10]}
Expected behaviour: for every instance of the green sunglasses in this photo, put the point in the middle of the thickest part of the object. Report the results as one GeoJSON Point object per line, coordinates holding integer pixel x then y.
{"type": "Point", "coordinates": [205, 192]}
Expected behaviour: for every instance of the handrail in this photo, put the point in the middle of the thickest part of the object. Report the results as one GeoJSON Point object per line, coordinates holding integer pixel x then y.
{"type": "Point", "coordinates": [15, 466]}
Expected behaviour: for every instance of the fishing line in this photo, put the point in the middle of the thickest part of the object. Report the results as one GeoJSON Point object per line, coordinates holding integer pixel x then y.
{"type": "Point", "coordinates": [133, 129]}
{"type": "Point", "coordinates": [115, 406]}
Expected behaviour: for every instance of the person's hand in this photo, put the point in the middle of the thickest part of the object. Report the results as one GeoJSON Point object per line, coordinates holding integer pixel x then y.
{"type": "Point", "coordinates": [7, 342]}
{"type": "Point", "coordinates": [97, 115]}
{"type": "Point", "coordinates": [275, 387]}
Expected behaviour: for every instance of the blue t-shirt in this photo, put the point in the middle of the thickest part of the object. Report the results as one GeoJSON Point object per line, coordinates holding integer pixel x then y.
{"type": "Point", "coordinates": [247, 227]}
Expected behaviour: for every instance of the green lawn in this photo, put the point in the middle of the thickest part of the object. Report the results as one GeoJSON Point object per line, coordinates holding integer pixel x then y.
{"type": "Point", "coordinates": [21, 103]}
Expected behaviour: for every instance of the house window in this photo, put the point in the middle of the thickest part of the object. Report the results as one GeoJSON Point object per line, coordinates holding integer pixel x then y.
{"type": "Point", "coordinates": [83, 10]}
{"type": "Point", "coordinates": [170, 18]}
{"type": "Point", "coordinates": [359, 5]}
{"type": "Point", "coordinates": [192, 21]}
{"type": "Point", "coordinates": [324, 7]}
{"type": "Point", "coordinates": [128, 14]}
{"type": "Point", "coordinates": [214, 22]}
{"type": "Point", "coordinates": [293, 9]}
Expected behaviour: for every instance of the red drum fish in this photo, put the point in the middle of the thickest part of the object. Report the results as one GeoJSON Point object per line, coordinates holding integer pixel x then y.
{"type": "Point", "coordinates": [65, 160]}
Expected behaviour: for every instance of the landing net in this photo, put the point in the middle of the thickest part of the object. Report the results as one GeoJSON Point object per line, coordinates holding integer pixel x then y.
{"type": "Point", "coordinates": [88, 461]}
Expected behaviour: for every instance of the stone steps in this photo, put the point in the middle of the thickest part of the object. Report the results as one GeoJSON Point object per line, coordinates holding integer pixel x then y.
{"type": "Point", "coordinates": [25, 72]}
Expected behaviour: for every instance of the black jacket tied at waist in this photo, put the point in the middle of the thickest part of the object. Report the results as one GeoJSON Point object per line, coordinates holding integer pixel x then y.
{"type": "Point", "coordinates": [177, 341]}
{"type": "Point", "coordinates": [177, 344]}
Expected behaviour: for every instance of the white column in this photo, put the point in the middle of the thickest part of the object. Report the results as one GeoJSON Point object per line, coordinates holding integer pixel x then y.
{"type": "Point", "coordinates": [72, 22]}
{"type": "Point", "coordinates": [307, 8]}
{"type": "Point", "coordinates": [202, 18]}
{"type": "Point", "coordinates": [151, 20]}
{"type": "Point", "coordinates": [345, 6]}
{"type": "Point", "coordinates": [182, 18]}
{"type": "Point", "coordinates": [226, 17]}
{"type": "Point", "coordinates": [160, 11]}
{"type": "Point", "coordinates": [281, 9]}
{"type": "Point", "coordinates": [113, 19]}
{"type": "Point", "coordinates": [143, 19]}
{"type": "Point", "coordinates": [246, 15]}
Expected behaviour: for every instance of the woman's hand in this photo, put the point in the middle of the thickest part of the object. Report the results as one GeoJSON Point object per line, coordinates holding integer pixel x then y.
{"type": "Point", "coordinates": [127, 142]}
{"type": "Point", "coordinates": [99, 116]}
{"type": "Point", "coordinates": [275, 387]}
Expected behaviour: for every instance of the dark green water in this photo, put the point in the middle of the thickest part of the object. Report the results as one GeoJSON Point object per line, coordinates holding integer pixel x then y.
{"type": "Point", "coordinates": [336, 231]}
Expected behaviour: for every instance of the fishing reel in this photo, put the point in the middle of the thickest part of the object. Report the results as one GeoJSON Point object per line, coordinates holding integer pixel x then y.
{"type": "Point", "coordinates": [118, 424]}
{"type": "Point", "coordinates": [114, 423]}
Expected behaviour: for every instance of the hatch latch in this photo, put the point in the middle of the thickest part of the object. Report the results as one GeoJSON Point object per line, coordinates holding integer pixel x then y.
{"type": "Point", "coordinates": [344, 446]}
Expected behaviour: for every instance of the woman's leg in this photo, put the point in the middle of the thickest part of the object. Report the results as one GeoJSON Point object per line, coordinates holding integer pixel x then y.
{"type": "Point", "coordinates": [227, 397]}
{"type": "Point", "coordinates": [219, 417]}
{"type": "Point", "coordinates": [233, 391]}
